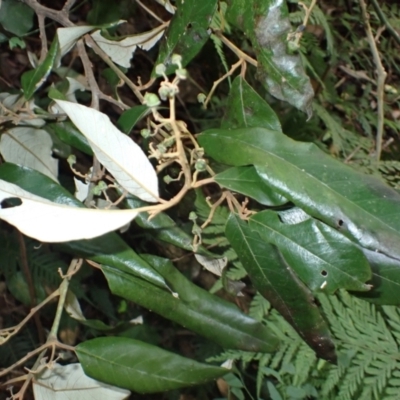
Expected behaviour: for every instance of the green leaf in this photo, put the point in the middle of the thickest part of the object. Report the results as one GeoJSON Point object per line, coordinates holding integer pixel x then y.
{"type": "Point", "coordinates": [246, 109]}
{"type": "Point", "coordinates": [275, 280]}
{"type": "Point", "coordinates": [107, 249]}
{"type": "Point", "coordinates": [193, 307]}
{"type": "Point", "coordinates": [359, 206]}
{"type": "Point", "coordinates": [140, 366]}
{"type": "Point", "coordinates": [131, 117]}
{"type": "Point", "coordinates": [16, 17]}
{"type": "Point", "coordinates": [385, 279]}
{"type": "Point", "coordinates": [245, 180]}
{"type": "Point", "coordinates": [187, 33]}
{"type": "Point", "coordinates": [67, 132]}
{"type": "Point", "coordinates": [323, 258]}
{"type": "Point", "coordinates": [33, 79]}
{"type": "Point", "coordinates": [266, 24]}
{"type": "Point", "coordinates": [163, 227]}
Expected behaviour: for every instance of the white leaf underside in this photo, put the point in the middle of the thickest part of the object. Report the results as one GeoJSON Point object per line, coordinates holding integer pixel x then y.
{"type": "Point", "coordinates": [64, 382]}
{"type": "Point", "coordinates": [29, 147]}
{"type": "Point", "coordinates": [51, 222]}
{"type": "Point", "coordinates": [119, 154]}
{"type": "Point", "coordinates": [121, 51]}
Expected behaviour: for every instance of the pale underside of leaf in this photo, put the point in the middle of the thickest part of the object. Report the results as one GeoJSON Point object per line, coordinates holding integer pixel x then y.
{"type": "Point", "coordinates": [121, 51]}
{"type": "Point", "coordinates": [51, 222]}
{"type": "Point", "coordinates": [29, 147]}
{"type": "Point", "coordinates": [122, 157]}
{"type": "Point", "coordinates": [67, 37]}
{"type": "Point", "coordinates": [69, 381]}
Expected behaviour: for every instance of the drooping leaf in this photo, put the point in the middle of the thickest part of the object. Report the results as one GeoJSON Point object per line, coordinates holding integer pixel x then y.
{"type": "Point", "coordinates": [246, 108]}
{"type": "Point", "coordinates": [323, 258]}
{"type": "Point", "coordinates": [46, 221]}
{"type": "Point", "coordinates": [187, 33]}
{"type": "Point", "coordinates": [121, 51]}
{"type": "Point", "coordinates": [359, 206]}
{"type": "Point", "coordinates": [116, 151]}
{"type": "Point", "coordinates": [33, 79]}
{"type": "Point", "coordinates": [29, 147]}
{"type": "Point", "coordinates": [245, 180]}
{"type": "Point", "coordinates": [277, 282]}
{"type": "Point", "coordinates": [140, 366]}
{"type": "Point", "coordinates": [63, 382]}
{"type": "Point", "coordinates": [193, 307]}
{"type": "Point", "coordinates": [266, 24]}
{"type": "Point", "coordinates": [131, 117]}
{"type": "Point", "coordinates": [108, 249]}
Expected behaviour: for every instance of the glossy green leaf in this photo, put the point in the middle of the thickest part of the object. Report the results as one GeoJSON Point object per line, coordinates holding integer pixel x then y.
{"type": "Point", "coordinates": [33, 79]}
{"type": "Point", "coordinates": [187, 33]}
{"type": "Point", "coordinates": [246, 108]}
{"type": "Point", "coordinates": [107, 249]}
{"type": "Point", "coordinates": [67, 132]}
{"type": "Point", "coordinates": [245, 180]}
{"type": "Point", "coordinates": [163, 227]}
{"type": "Point", "coordinates": [274, 278]}
{"type": "Point", "coordinates": [322, 258]}
{"type": "Point", "coordinates": [131, 117]}
{"type": "Point", "coordinates": [385, 280]}
{"type": "Point", "coordinates": [193, 308]}
{"type": "Point", "coordinates": [16, 17]}
{"type": "Point", "coordinates": [359, 206]}
{"type": "Point", "coordinates": [140, 366]}
{"type": "Point", "coordinates": [266, 23]}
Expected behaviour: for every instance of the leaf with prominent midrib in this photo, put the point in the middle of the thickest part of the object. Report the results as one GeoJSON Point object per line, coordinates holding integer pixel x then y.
{"type": "Point", "coordinates": [193, 307]}
{"type": "Point", "coordinates": [359, 206]}
{"type": "Point", "coordinates": [140, 366]}
{"type": "Point", "coordinates": [323, 258]}
{"type": "Point", "coordinates": [276, 281]}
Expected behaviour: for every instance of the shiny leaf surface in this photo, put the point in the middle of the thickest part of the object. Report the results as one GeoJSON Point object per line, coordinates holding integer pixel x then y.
{"type": "Point", "coordinates": [359, 206]}
{"type": "Point", "coordinates": [140, 366]}
{"type": "Point", "coordinates": [274, 278]}
{"type": "Point", "coordinates": [323, 258]}
{"type": "Point", "coordinates": [193, 308]}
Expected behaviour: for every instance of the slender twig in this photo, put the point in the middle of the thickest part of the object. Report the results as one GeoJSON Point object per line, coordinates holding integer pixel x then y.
{"type": "Point", "coordinates": [43, 37]}
{"type": "Point", "coordinates": [67, 6]}
{"type": "Point", "coordinates": [31, 287]}
{"type": "Point", "coordinates": [223, 77]}
{"type": "Point", "coordinates": [52, 341]}
{"type": "Point", "coordinates": [385, 21]}
{"type": "Point", "coordinates": [381, 77]}
{"type": "Point", "coordinates": [7, 333]}
{"type": "Point", "coordinates": [235, 49]}
{"type": "Point", "coordinates": [149, 11]}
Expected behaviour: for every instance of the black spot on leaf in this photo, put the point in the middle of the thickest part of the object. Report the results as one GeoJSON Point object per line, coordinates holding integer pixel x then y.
{"type": "Point", "coordinates": [10, 202]}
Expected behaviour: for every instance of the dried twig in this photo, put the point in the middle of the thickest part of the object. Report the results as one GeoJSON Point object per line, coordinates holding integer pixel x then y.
{"type": "Point", "coordinates": [381, 77]}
